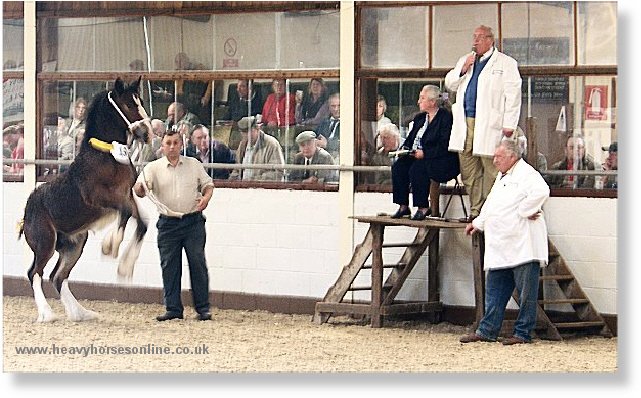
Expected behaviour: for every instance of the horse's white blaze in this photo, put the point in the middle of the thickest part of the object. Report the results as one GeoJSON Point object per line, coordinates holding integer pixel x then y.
{"type": "Point", "coordinates": [45, 313]}
{"type": "Point", "coordinates": [75, 311]}
{"type": "Point", "coordinates": [126, 266]}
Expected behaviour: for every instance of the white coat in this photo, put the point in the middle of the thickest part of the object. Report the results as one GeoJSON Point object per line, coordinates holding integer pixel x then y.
{"type": "Point", "coordinates": [498, 103]}
{"type": "Point", "coordinates": [511, 238]}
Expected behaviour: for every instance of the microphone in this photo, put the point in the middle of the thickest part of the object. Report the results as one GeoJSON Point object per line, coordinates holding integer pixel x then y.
{"type": "Point", "coordinates": [476, 55]}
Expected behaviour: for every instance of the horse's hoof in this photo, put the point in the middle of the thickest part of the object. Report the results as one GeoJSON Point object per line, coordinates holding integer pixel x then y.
{"type": "Point", "coordinates": [123, 279]}
{"type": "Point", "coordinates": [85, 315]}
{"type": "Point", "coordinates": [46, 317]}
{"type": "Point", "coordinates": [107, 249]}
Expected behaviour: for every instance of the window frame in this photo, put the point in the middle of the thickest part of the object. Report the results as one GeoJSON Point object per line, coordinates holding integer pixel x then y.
{"type": "Point", "coordinates": [54, 10]}
{"type": "Point", "coordinates": [362, 73]}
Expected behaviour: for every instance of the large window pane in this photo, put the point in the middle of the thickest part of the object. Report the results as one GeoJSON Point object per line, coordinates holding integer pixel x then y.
{"type": "Point", "coordinates": [581, 107]}
{"type": "Point", "coordinates": [452, 40]}
{"type": "Point", "coordinates": [539, 33]}
{"type": "Point", "coordinates": [385, 102]}
{"type": "Point", "coordinates": [182, 43]}
{"type": "Point", "coordinates": [382, 31]}
{"type": "Point", "coordinates": [80, 44]}
{"type": "Point", "coordinates": [309, 40]}
{"type": "Point", "coordinates": [597, 33]}
{"type": "Point", "coordinates": [13, 127]}
{"type": "Point", "coordinates": [65, 106]}
{"type": "Point", "coordinates": [12, 44]}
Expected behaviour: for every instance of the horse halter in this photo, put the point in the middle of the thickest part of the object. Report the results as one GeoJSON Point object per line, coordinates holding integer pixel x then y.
{"type": "Point", "coordinates": [131, 126]}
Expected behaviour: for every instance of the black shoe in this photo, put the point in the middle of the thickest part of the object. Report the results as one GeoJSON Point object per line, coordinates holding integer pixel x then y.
{"type": "Point", "coordinates": [402, 213]}
{"type": "Point", "coordinates": [205, 316]}
{"type": "Point", "coordinates": [169, 316]}
{"type": "Point", "coordinates": [421, 215]}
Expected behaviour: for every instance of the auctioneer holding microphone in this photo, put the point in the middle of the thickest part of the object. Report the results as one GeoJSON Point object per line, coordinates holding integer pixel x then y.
{"type": "Point", "coordinates": [488, 105]}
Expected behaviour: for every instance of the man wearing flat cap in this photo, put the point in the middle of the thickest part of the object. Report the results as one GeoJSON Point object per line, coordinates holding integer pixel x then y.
{"type": "Point", "coordinates": [611, 163]}
{"type": "Point", "coordinates": [256, 147]}
{"type": "Point", "coordinates": [311, 154]}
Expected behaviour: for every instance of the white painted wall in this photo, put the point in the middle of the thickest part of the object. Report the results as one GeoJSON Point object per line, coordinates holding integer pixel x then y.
{"type": "Point", "coordinates": [286, 242]}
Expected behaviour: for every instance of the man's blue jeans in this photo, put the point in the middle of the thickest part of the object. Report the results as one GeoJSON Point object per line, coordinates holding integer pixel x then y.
{"type": "Point", "coordinates": [499, 285]}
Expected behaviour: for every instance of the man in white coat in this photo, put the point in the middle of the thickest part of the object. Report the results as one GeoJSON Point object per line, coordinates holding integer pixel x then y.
{"type": "Point", "coordinates": [488, 104]}
{"type": "Point", "coordinates": [515, 244]}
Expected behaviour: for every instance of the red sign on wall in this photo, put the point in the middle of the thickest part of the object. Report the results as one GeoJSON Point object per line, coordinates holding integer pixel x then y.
{"type": "Point", "coordinates": [596, 102]}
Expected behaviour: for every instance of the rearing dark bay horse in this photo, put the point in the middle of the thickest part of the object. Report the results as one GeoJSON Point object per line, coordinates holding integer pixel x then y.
{"type": "Point", "coordinates": [95, 190]}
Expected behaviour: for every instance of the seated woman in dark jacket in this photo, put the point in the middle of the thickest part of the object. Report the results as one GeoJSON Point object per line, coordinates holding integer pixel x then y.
{"type": "Point", "coordinates": [429, 162]}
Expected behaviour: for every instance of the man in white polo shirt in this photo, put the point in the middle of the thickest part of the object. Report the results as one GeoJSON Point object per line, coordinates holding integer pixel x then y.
{"type": "Point", "coordinates": [181, 189]}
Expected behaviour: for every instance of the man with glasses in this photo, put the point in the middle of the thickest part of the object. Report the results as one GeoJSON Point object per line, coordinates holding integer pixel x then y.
{"type": "Point", "coordinates": [488, 105]}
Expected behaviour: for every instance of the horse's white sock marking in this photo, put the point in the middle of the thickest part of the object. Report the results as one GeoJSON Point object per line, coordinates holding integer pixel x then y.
{"type": "Point", "coordinates": [75, 311]}
{"type": "Point", "coordinates": [45, 313]}
{"type": "Point", "coordinates": [126, 266]}
{"type": "Point", "coordinates": [111, 242]}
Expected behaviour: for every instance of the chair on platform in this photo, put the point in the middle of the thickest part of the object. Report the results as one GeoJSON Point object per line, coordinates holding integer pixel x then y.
{"type": "Point", "coordinates": [458, 189]}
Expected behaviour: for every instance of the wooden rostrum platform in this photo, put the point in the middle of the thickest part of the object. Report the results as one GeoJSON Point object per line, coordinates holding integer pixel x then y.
{"type": "Point", "coordinates": [560, 284]}
{"type": "Point", "coordinates": [383, 293]}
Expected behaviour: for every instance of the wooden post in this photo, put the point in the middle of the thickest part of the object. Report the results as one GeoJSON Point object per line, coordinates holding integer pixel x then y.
{"type": "Point", "coordinates": [377, 274]}
{"type": "Point", "coordinates": [433, 289]}
{"type": "Point", "coordinates": [478, 248]}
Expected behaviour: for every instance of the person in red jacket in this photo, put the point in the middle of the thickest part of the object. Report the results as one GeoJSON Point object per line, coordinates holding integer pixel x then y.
{"type": "Point", "coordinates": [280, 107]}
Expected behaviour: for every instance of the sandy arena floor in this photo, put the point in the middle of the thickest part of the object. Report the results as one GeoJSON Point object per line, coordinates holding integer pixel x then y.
{"type": "Point", "coordinates": [257, 341]}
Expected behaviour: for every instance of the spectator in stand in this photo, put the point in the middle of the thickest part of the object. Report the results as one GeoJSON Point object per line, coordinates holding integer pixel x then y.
{"type": "Point", "coordinates": [575, 159]}
{"type": "Point", "coordinates": [246, 101]}
{"type": "Point", "coordinates": [390, 139]}
{"type": "Point", "coordinates": [371, 133]}
{"type": "Point", "coordinates": [256, 147]}
{"type": "Point", "coordinates": [66, 145]}
{"type": "Point", "coordinates": [280, 107]}
{"type": "Point", "coordinates": [429, 162]}
{"type": "Point", "coordinates": [194, 94]}
{"type": "Point", "coordinates": [311, 154]}
{"type": "Point", "coordinates": [311, 106]}
{"type": "Point", "coordinates": [177, 112]}
{"type": "Point", "coordinates": [14, 136]}
{"type": "Point", "coordinates": [209, 150]}
{"type": "Point", "coordinates": [611, 163]}
{"type": "Point", "coordinates": [77, 123]}
{"type": "Point", "coordinates": [329, 130]}
{"type": "Point", "coordinates": [136, 65]}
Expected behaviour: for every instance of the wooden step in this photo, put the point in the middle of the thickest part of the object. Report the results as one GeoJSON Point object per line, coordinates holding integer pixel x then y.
{"type": "Point", "coordinates": [412, 244]}
{"type": "Point", "coordinates": [556, 277]}
{"type": "Point", "coordinates": [564, 301]}
{"type": "Point", "coordinates": [574, 325]}
{"type": "Point", "coordinates": [398, 265]}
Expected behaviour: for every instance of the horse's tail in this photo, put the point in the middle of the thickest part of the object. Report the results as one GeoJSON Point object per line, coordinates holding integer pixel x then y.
{"type": "Point", "coordinates": [20, 228]}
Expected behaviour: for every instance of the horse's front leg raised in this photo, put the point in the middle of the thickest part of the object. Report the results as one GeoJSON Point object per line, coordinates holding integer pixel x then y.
{"type": "Point", "coordinates": [126, 265]}
{"type": "Point", "coordinates": [113, 239]}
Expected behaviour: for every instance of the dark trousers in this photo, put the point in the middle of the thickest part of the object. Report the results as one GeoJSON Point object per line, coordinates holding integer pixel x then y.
{"type": "Point", "coordinates": [174, 235]}
{"type": "Point", "coordinates": [408, 171]}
